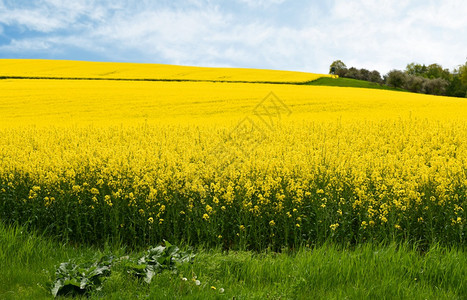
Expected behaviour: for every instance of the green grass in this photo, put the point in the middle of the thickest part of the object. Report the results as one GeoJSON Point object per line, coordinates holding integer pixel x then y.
{"type": "Point", "coordinates": [28, 262]}
{"type": "Point", "coordinates": [349, 82]}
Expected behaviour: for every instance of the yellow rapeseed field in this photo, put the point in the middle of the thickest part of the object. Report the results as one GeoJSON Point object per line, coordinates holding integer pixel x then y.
{"type": "Point", "coordinates": [231, 164]}
{"type": "Point", "coordinates": [103, 70]}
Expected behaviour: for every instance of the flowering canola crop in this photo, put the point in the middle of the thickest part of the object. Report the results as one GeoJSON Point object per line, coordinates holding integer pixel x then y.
{"type": "Point", "coordinates": [231, 164]}
{"type": "Point", "coordinates": [104, 70]}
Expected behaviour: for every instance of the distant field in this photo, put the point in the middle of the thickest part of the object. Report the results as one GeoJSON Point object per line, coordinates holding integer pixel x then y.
{"type": "Point", "coordinates": [34, 68]}
{"type": "Point", "coordinates": [229, 164]}
{"type": "Point", "coordinates": [85, 102]}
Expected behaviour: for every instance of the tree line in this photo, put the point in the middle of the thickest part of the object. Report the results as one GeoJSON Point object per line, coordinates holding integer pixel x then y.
{"type": "Point", "coordinates": [417, 78]}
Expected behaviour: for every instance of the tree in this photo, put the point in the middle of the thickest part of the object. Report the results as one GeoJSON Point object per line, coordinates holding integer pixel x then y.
{"type": "Point", "coordinates": [364, 74]}
{"type": "Point", "coordinates": [436, 71]}
{"type": "Point", "coordinates": [416, 69]}
{"type": "Point", "coordinates": [456, 88]}
{"type": "Point", "coordinates": [375, 76]}
{"type": "Point", "coordinates": [462, 71]}
{"type": "Point", "coordinates": [353, 73]}
{"type": "Point", "coordinates": [336, 67]}
{"type": "Point", "coordinates": [396, 78]}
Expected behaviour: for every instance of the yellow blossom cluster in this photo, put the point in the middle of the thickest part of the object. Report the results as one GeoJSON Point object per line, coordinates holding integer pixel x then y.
{"type": "Point", "coordinates": [199, 162]}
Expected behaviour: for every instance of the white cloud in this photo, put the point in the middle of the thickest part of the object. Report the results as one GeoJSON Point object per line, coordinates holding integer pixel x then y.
{"type": "Point", "coordinates": [26, 45]}
{"type": "Point", "coordinates": [263, 3]}
{"type": "Point", "coordinates": [384, 35]}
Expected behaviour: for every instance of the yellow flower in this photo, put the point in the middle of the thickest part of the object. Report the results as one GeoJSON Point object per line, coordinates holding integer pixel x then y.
{"type": "Point", "coordinates": [272, 223]}
{"type": "Point", "coordinates": [206, 217]}
{"type": "Point", "coordinates": [94, 191]}
{"type": "Point", "coordinates": [397, 226]}
{"type": "Point", "coordinates": [242, 227]}
{"type": "Point", "coordinates": [364, 224]}
{"type": "Point", "coordinates": [150, 220]}
{"type": "Point", "coordinates": [334, 226]}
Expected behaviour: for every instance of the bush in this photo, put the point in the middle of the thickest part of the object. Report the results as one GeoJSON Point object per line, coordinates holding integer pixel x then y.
{"type": "Point", "coordinates": [435, 86]}
{"type": "Point", "coordinates": [415, 84]}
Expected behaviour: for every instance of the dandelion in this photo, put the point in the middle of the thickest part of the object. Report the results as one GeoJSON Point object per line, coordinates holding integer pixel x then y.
{"type": "Point", "coordinates": [221, 290]}
{"type": "Point", "coordinates": [206, 217]}
{"type": "Point", "coordinates": [213, 287]}
{"type": "Point", "coordinates": [197, 282]}
{"type": "Point", "coordinates": [334, 226]}
{"type": "Point", "coordinates": [151, 220]}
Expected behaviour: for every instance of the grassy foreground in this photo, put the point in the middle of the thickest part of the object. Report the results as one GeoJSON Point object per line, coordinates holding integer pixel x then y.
{"type": "Point", "coordinates": [28, 263]}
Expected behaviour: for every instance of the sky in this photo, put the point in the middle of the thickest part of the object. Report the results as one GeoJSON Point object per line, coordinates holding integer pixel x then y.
{"type": "Point", "coordinates": [276, 34]}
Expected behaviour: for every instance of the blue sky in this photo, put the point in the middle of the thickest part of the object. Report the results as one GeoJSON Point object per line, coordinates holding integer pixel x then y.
{"type": "Point", "coordinates": [276, 34]}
